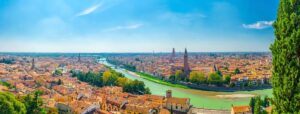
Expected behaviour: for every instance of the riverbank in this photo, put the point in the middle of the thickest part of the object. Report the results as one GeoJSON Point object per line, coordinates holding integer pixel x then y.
{"type": "Point", "coordinates": [156, 80]}
{"type": "Point", "coordinates": [225, 89]}
{"type": "Point", "coordinates": [234, 96]}
{"type": "Point", "coordinates": [198, 87]}
{"type": "Point", "coordinates": [211, 100]}
{"type": "Point", "coordinates": [195, 110]}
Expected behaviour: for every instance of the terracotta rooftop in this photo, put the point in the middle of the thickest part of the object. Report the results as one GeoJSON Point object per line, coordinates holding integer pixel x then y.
{"type": "Point", "coordinates": [239, 109]}
{"type": "Point", "coordinates": [178, 100]}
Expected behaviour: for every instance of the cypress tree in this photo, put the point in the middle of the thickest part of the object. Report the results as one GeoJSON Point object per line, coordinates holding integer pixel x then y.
{"type": "Point", "coordinates": [286, 58]}
{"type": "Point", "coordinates": [252, 104]}
{"type": "Point", "coordinates": [257, 106]}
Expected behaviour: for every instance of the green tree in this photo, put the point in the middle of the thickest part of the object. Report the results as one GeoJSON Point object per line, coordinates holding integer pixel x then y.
{"type": "Point", "coordinates": [237, 71]}
{"type": "Point", "coordinates": [172, 78]}
{"type": "Point", "coordinates": [8, 85]}
{"type": "Point", "coordinates": [286, 58]}
{"type": "Point", "coordinates": [252, 104]}
{"type": "Point", "coordinates": [266, 102]}
{"type": "Point", "coordinates": [136, 87]}
{"type": "Point", "coordinates": [122, 81]}
{"type": "Point", "coordinates": [197, 77]}
{"type": "Point", "coordinates": [111, 77]}
{"type": "Point", "coordinates": [227, 79]}
{"type": "Point", "coordinates": [219, 73]}
{"type": "Point", "coordinates": [33, 103]}
{"type": "Point", "coordinates": [147, 90]}
{"type": "Point", "coordinates": [106, 75]}
{"type": "Point", "coordinates": [214, 78]}
{"type": "Point", "coordinates": [178, 75]}
{"type": "Point", "coordinates": [10, 105]}
{"type": "Point", "coordinates": [59, 82]}
{"type": "Point", "coordinates": [58, 72]}
{"type": "Point", "coordinates": [257, 106]}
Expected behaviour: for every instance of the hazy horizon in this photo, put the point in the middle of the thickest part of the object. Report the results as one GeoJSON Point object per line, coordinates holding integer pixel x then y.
{"type": "Point", "coordinates": [144, 52]}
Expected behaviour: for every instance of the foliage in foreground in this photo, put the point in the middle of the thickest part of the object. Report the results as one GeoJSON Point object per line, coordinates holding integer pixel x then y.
{"type": "Point", "coordinates": [29, 104]}
{"type": "Point", "coordinates": [10, 105]}
{"type": "Point", "coordinates": [33, 103]}
{"type": "Point", "coordinates": [258, 105]}
{"type": "Point", "coordinates": [286, 58]}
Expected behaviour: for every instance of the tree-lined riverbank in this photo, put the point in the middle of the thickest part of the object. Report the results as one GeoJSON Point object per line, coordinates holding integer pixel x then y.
{"type": "Point", "coordinates": [198, 98]}
{"type": "Point", "coordinates": [195, 86]}
{"type": "Point", "coordinates": [156, 80]}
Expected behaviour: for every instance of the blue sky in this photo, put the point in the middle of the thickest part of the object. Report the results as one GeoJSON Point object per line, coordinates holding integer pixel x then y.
{"type": "Point", "coordinates": [136, 25]}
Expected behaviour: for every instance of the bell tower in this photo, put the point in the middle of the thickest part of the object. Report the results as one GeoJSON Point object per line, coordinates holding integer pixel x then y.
{"type": "Point", "coordinates": [32, 64]}
{"type": "Point", "coordinates": [172, 58]}
{"type": "Point", "coordinates": [186, 68]}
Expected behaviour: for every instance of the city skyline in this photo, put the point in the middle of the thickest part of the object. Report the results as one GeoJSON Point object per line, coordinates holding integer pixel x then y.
{"type": "Point", "coordinates": [124, 26]}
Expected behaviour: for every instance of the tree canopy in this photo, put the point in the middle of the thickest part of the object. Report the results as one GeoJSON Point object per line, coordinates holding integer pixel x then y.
{"type": "Point", "coordinates": [33, 103]}
{"type": "Point", "coordinates": [214, 78]}
{"type": "Point", "coordinates": [197, 77]}
{"type": "Point", "coordinates": [286, 58]}
{"type": "Point", "coordinates": [179, 75]}
{"type": "Point", "coordinates": [258, 105]}
{"type": "Point", "coordinates": [10, 105]}
{"type": "Point", "coordinates": [112, 78]}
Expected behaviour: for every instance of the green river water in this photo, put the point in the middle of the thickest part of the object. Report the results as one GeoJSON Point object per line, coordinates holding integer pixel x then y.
{"type": "Point", "coordinates": [198, 98]}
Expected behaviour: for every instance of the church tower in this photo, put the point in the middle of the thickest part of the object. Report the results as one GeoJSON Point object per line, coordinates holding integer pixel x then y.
{"type": "Point", "coordinates": [79, 60]}
{"type": "Point", "coordinates": [173, 53]}
{"type": "Point", "coordinates": [32, 64]}
{"type": "Point", "coordinates": [186, 68]}
{"type": "Point", "coordinates": [172, 59]}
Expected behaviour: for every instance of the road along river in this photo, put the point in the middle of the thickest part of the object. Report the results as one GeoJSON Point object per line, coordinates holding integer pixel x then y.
{"type": "Point", "coordinates": [199, 98]}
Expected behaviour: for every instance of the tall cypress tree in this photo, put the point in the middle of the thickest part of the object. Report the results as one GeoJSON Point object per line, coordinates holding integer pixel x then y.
{"type": "Point", "coordinates": [286, 58]}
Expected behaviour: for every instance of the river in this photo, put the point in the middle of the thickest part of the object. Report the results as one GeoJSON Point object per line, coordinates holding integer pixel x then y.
{"type": "Point", "coordinates": [199, 98]}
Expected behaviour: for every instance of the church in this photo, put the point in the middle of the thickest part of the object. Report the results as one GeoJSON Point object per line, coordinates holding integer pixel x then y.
{"type": "Point", "coordinates": [185, 68]}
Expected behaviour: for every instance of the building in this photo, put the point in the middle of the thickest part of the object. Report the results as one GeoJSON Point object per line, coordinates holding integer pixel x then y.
{"type": "Point", "coordinates": [79, 60]}
{"type": "Point", "coordinates": [186, 68]}
{"type": "Point", "coordinates": [241, 110]}
{"type": "Point", "coordinates": [176, 105]}
{"type": "Point", "coordinates": [172, 58]}
{"type": "Point", "coordinates": [32, 64]}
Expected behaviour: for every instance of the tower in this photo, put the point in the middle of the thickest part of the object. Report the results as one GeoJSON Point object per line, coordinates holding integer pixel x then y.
{"type": "Point", "coordinates": [172, 59]}
{"type": "Point", "coordinates": [173, 53]}
{"type": "Point", "coordinates": [186, 68]}
{"type": "Point", "coordinates": [169, 94]}
{"type": "Point", "coordinates": [215, 68]}
{"type": "Point", "coordinates": [32, 64]}
{"type": "Point", "coordinates": [79, 60]}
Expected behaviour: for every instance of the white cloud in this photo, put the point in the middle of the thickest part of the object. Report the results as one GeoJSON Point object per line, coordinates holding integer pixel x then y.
{"type": "Point", "coordinates": [131, 26]}
{"type": "Point", "coordinates": [259, 25]}
{"type": "Point", "coordinates": [89, 10]}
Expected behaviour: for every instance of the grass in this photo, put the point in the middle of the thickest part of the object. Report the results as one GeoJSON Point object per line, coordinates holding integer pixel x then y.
{"type": "Point", "coordinates": [159, 81]}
